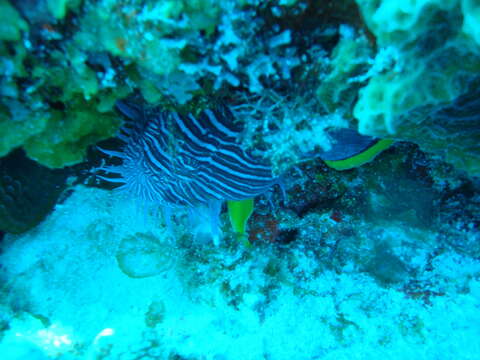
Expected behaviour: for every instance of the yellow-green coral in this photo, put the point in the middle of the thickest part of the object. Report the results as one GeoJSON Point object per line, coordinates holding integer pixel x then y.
{"type": "Point", "coordinates": [348, 60]}
{"type": "Point", "coordinates": [67, 134]}
{"type": "Point", "coordinates": [391, 100]}
{"type": "Point", "coordinates": [436, 59]}
{"type": "Point", "coordinates": [18, 124]}
{"type": "Point", "coordinates": [11, 24]}
{"type": "Point", "coordinates": [59, 8]}
{"type": "Point", "coordinates": [403, 22]}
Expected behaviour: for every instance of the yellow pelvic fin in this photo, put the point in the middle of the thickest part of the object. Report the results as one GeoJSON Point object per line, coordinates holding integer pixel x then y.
{"type": "Point", "coordinates": [239, 212]}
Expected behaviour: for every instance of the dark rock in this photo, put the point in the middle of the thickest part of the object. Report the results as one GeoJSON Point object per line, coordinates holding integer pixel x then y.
{"type": "Point", "coordinates": [28, 192]}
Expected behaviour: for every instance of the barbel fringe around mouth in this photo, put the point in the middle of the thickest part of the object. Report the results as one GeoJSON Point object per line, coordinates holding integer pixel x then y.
{"type": "Point", "coordinates": [176, 161]}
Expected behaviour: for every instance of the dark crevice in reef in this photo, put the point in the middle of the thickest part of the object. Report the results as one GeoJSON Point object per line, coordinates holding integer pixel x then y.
{"type": "Point", "coordinates": [85, 172]}
{"type": "Point", "coordinates": [28, 192]}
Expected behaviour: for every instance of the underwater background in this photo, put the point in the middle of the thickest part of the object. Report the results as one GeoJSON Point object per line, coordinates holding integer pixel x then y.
{"type": "Point", "coordinates": [239, 179]}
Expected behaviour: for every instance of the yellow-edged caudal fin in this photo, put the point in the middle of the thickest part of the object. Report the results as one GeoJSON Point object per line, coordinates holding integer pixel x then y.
{"type": "Point", "coordinates": [361, 158]}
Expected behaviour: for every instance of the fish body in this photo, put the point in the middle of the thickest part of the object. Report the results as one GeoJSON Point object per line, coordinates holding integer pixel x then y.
{"type": "Point", "coordinates": [187, 161]}
{"type": "Point", "coordinates": [178, 160]}
{"type": "Point", "coordinates": [351, 149]}
{"type": "Point", "coordinates": [175, 160]}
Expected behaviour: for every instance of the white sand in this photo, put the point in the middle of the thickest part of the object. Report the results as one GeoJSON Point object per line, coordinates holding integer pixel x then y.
{"type": "Point", "coordinates": [67, 298]}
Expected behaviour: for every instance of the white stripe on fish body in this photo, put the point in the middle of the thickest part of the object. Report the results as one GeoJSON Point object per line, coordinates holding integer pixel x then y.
{"type": "Point", "coordinates": [207, 190]}
{"type": "Point", "coordinates": [186, 131]}
{"type": "Point", "coordinates": [218, 125]}
{"type": "Point", "coordinates": [224, 189]}
{"type": "Point", "coordinates": [245, 163]}
{"type": "Point", "coordinates": [195, 122]}
{"type": "Point", "coordinates": [229, 170]}
{"type": "Point", "coordinates": [153, 160]}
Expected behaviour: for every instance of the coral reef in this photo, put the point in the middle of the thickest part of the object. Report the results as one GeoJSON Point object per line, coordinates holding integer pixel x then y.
{"type": "Point", "coordinates": [290, 70]}
{"type": "Point", "coordinates": [381, 259]}
{"type": "Point", "coordinates": [433, 60]}
{"type": "Point", "coordinates": [63, 72]}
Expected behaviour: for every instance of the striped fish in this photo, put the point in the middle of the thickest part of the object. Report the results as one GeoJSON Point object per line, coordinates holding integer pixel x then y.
{"type": "Point", "coordinates": [177, 160]}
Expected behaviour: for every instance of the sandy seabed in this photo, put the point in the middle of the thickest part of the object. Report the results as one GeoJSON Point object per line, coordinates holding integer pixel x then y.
{"type": "Point", "coordinates": [98, 279]}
